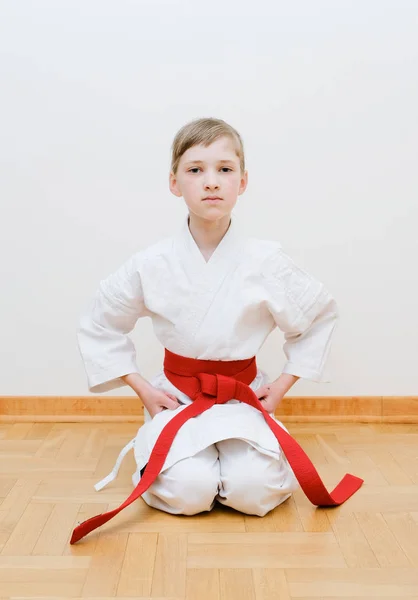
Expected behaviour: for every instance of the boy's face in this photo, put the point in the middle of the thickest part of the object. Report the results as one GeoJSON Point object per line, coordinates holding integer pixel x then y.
{"type": "Point", "coordinates": [217, 174]}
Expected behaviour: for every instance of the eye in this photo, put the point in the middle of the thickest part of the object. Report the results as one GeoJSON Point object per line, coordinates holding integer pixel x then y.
{"type": "Point", "coordinates": [194, 169]}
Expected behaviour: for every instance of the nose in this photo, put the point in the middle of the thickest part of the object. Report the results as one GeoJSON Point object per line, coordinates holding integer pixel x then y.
{"type": "Point", "coordinates": [211, 181]}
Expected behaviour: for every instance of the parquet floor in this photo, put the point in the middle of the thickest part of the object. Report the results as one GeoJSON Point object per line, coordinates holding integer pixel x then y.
{"type": "Point", "coordinates": [368, 548]}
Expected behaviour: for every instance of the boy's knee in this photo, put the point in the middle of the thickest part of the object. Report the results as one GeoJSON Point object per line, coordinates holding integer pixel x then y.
{"type": "Point", "coordinates": [190, 487]}
{"type": "Point", "coordinates": [254, 492]}
{"type": "Point", "coordinates": [246, 493]}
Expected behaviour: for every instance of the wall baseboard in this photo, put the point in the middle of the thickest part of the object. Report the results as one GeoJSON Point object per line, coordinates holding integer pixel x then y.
{"type": "Point", "coordinates": [129, 409]}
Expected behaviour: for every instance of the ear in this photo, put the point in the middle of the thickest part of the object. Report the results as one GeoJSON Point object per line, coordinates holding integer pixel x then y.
{"type": "Point", "coordinates": [243, 183]}
{"type": "Point", "coordinates": [173, 185]}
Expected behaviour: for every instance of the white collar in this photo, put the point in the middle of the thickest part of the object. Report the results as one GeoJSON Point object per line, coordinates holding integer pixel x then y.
{"type": "Point", "coordinates": [221, 256]}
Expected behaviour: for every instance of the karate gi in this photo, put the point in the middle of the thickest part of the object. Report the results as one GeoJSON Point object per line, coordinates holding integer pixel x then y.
{"type": "Point", "coordinates": [220, 310]}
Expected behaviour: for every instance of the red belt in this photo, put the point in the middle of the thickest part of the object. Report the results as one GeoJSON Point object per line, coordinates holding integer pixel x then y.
{"type": "Point", "coordinates": [210, 382]}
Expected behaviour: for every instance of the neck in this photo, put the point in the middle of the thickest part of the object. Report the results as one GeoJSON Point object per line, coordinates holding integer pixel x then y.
{"type": "Point", "coordinates": [208, 234]}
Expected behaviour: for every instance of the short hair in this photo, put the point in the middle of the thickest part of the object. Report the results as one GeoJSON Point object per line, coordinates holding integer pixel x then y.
{"type": "Point", "coordinates": [204, 131]}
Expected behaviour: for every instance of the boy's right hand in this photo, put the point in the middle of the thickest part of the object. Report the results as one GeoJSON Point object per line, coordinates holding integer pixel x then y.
{"type": "Point", "coordinates": [155, 401]}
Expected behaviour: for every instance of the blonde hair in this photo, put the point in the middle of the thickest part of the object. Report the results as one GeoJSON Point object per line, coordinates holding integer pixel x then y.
{"type": "Point", "coordinates": [204, 131]}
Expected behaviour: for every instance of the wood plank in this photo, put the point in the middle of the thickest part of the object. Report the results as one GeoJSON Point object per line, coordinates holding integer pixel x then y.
{"type": "Point", "coordinates": [353, 583]}
{"type": "Point", "coordinates": [41, 563]}
{"type": "Point", "coordinates": [39, 431]}
{"type": "Point", "coordinates": [270, 584]}
{"type": "Point", "coordinates": [81, 491]}
{"type": "Point", "coordinates": [14, 505]}
{"type": "Point", "coordinates": [236, 583]}
{"type": "Point", "coordinates": [54, 536]}
{"type": "Point", "coordinates": [407, 459]}
{"type": "Point", "coordinates": [17, 431]}
{"type": "Point", "coordinates": [357, 430]}
{"type": "Point", "coordinates": [314, 519]}
{"type": "Point", "coordinates": [45, 590]}
{"type": "Point", "coordinates": [310, 444]}
{"type": "Point", "coordinates": [42, 576]}
{"type": "Point", "coordinates": [333, 450]}
{"type": "Point", "coordinates": [106, 563]}
{"type": "Point", "coordinates": [381, 540]}
{"type": "Point", "coordinates": [6, 485]}
{"type": "Point", "coordinates": [203, 584]}
{"type": "Point", "coordinates": [15, 448]}
{"type": "Point", "coordinates": [94, 445]}
{"type": "Point", "coordinates": [388, 466]}
{"type": "Point", "coordinates": [362, 466]}
{"type": "Point", "coordinates": [41, 569]}
{"type": "Point", "coordinates": [51, 443]}
{"type": "Point", "coordinates": [71, 448]}
{"type": "Point", "coordinates": [263, 550]}
{"type": "Point", "coordinates": [352, 541]}
{"type": "Point", "coordinates": [27, 531]}
{"type": "Point", "coordinates": [32, 467]}
{"type": "Point", "coordinates": [405, 529]}
{"type": "Point", "coordinates": [384, 499]}
{"type": "Point", "coordinates": [170, 566]}
{"type": "Point", "coordinates": [138, 566]}
{"type": "Point", "coordinates": [141, 518]}
{"type": "Point", "coordinates": [284, 517]}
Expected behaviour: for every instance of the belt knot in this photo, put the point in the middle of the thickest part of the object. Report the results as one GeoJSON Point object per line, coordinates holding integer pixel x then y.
{"type": "Point", "coordinates": [221, 387]}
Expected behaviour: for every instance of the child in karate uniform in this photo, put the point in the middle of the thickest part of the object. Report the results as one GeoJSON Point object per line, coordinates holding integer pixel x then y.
{"type": "Point", "coordinates": [214, 295]}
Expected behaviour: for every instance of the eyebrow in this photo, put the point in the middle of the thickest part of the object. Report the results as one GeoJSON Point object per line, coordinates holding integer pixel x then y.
{"type": "Point", "coordinates": [201, 162]}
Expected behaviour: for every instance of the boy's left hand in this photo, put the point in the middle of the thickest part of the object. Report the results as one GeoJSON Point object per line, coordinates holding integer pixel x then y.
{"type": "Point", "coordinates": [269, 397]}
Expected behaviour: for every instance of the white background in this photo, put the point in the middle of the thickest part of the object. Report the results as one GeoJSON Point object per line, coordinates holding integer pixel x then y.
{"type": "Point", "coordinates": [325, 96]}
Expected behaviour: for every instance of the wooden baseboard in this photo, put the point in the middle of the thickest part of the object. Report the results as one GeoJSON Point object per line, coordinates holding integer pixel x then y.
{"type": "Point", "coordinates": [349, 409]}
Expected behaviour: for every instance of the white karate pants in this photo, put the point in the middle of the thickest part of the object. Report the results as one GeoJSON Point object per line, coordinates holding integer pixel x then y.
{"type": "Point", "coordinates": [231, 472]}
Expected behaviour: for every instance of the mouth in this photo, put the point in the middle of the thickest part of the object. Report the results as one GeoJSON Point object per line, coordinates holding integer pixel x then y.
{"type": "Point", "coordinates": [212, 199]}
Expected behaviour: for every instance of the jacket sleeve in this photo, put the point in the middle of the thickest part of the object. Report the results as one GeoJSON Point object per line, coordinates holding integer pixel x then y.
{"type": "Point", "coordinates": [105, 346]}
{"type": "Point", "coordinates": [305, 312]}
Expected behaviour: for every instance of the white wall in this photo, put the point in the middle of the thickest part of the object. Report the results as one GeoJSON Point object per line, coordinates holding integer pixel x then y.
{"type": "Point", "coordinates": [325, 96]}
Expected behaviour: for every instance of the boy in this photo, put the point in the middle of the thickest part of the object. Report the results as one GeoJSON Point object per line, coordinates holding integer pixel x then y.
{"type": "Point", "coordinates": [213, 296]}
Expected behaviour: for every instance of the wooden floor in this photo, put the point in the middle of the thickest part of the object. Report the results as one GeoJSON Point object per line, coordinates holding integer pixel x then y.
{"type": "Point", "coordinates": [368, 548]}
